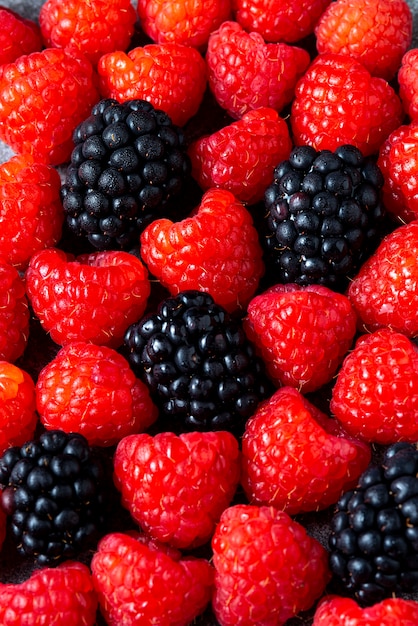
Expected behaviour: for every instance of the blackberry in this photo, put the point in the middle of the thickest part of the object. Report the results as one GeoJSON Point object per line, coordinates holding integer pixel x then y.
{"type": "Point", "coordinates": [53, 491]}
{"type": "Point", "coordinates": [201, 370]}
{"type": "Point", "coordinates": [128, 162]}
{"type": "Point", "coordinates": [324, 216]}
{"type": "Point", "coordinates": [374, 530]}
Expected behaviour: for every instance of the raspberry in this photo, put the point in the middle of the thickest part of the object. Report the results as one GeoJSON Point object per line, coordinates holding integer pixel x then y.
{"type": "Point", "coordinates": [241, 156]}
{"type": "Point", "coordinates": [93, 297]}
{"type": "Point", "coordinates": [350, 107]}
{"type": "Point", "coordinates": [30, 209]}
{"type": "Point", "coordinates": [215, 250]}
{"type": "Point", "coordinates": [187, 22]}
{"type": "Point", "coordinates": [14, 314]}
{"type": "Point", "coordinates": [301, 333]}
{"type": "Point", "coordinates": [384, 292]}
{"type": "Point", "coordinates": [178, 590]}
{"type": "Point", "coordinates": [176, 487]}
{"type": "Point", "coordinates": [375, 32]}
{"type": "Point", "coordinates": [18, 417]}
{"type": "Point", "coordinates": [267, 567]}
{"type": "Point", "coordinates": [52, 595]}
{"type": "Point", "coordinates": [339, 611]}
{"type": "Point", "coordinates": [408, 83]}
{"type": "Point", "coordinates": [18, 36]}
{"type": "Point", "coordinates": [245, 73]}
{"type": "Point", "coordinates": [279, 20]}
{"type": "Point", "coordinates": [288, 427]}
{"type": "Point", "coordinates": [91, 390]}
{"type": "Point", "coordinates": [171, 76]}
{"type": "Point", "coordinates": [90, 28]}
{"type": "Point", "coordinates": [376, 392]}
{"type": "Point", "coordinates": [43, 95]}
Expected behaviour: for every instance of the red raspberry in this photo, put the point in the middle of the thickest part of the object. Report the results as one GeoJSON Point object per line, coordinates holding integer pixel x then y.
{"type": "Point", "coordinates": [376, 392]}
{"type": "Point", "coordinates": [185, 21]}
{"type": "Point", "coordinates": [176, 487]}
{"type": "Point", "coordinates": [268, 568]}
{"type": "Point", "coordinates": [384, 292]}
{"type": "Point", "coordinates": [246, 73]}
{"type": "Point", "coordinates": [43, 96]}
{"type": "Point", "coordinates": [338, 611]}
{"type": "Point", "coordinates": [171, 76]}
{"type": "Point", "coordinates": [93, 297]}
{"type": "Point", "coordinates": [302, 333]}
{"type": "Point", "coordinates": [338, 102]}
{"type": "Point", "coordinates": [241, 156]}
{"type": "Point", "coordinates": [408, 83]}
{"type": "Point", "coordinates": [140, 581]}
{"type": "Point", "coordinates": [14, 313]}
{"type": "Point", "coordinates": [92, 28]}
{"type": "Point", "coordinates": [52, 595]}
{"type": "Point", "coordinates": [375, 32]}
{"type": "Point", "coordinates": [279, 20]}
{"type": "Point", "coordinates": [92, 390]}
{"type": "Point", "coordinates": [18, 36]}
{"type": "Point", "coordinates": [288, 427]}
{"type": "Point", "coordinates": [216, 250]}
{"type": "Point", "coordinates": [18, 417]}
{"type": "Point", "coordinates": [31, 212]}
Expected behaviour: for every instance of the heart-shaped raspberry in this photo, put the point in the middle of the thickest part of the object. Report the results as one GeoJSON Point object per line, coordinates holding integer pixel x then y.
{"type": "Point", "coordinates": [336, 611]}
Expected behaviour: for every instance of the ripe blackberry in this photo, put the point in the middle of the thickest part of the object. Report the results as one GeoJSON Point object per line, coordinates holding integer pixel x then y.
{"type": "Point", "coordinates": [53, 492]}
{"type": "Point", "coordinates": [128, 162]}
{"type": "Point", "coordinates": [324, 216]}
{"type": "Point", "coordinates": [374, 530]}
{"type": "Point", "coordinates": [201, 369]}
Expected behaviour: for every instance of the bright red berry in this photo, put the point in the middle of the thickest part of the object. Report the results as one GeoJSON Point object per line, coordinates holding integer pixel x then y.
{"type": "Point", "coordinates": [176, 486]}
{"type": "Point", "coordinates": [140, 581]}
{"type": "Point", "coordinates": [246, 73]}
{"type": "Point", "coordinates": [375, 32]}
{"type": "Point", "coordinates": [241, 156]}
{"type": "Point", "coordinates": [384, 292]}
{"type": "Point", "coordinates": [268, 568]}
{"type": "Point", "coordinates": [338, 102]}
{"type": "Point", "coordinates": [14, 313]}
{"type": "Point", "coordinates": [339, 611]}
{"type": "Point", "coordinates": [18, 417]}
{"type": "Point", "coordinates": [52, 595]}
{"type": "Point", "coordinates": [171, 76]}
{"type": "Point", "coordinates": [375, 395]}
{"type": "Point", "coordinates": [302, 333]}
{"type": "Point", "coordinates": [408, 83]}
{"type": "Point", "coordinates": [92, 390]}
{"type": "Point", "coordinates": [18, 36]}
{"type": "Point", "coordinates": [93, 297]}
{"type": "Point", "coordinates": [215, 250]}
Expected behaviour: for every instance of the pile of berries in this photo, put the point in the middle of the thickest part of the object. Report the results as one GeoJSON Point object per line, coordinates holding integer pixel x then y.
{"type": "Point", "coordinates": [208, 313]}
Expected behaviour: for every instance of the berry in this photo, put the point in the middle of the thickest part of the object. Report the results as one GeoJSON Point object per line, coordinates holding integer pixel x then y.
{"type": "Point", "coordinates": [287, 427]}
{"type": "Point", "coordinates": [91, 390]}
{"type": "Point", "coordinates": [93, 297]}
{"type": "Point", "coordinates": [198, 364]}
{"type": "Point", "coordinates": [176, 487]}
{"type": "Point", "coordinates": [30, 209]}
{"type": "Point", "coordinates": [267, 568]}
{"type": "Point", "coordinates": [246, 73]}
{"type": "Point", "coordinates": [324, 216]}
{"type": "Point", "coordinates": [375, 32]}
{"type": "Point", "coordinates": [384, 292]}
{"type": "Point", "coordinates": [90, 28]}
{"type": "Point", "coordinates": [186, 22]}
{"type": "Point", "coordinates": [171, 76]}
{"type": "Point", "coordinates": [3, 530]}
{"type": "Point", "coordinates": [14, 313]}
{"type": "Point", "coordinates": [374, 530]}
{"type": "Point", "coordinates": [54, 493]}
{"type": "Point", "coordinates": [301, 333]}
{"type": "Point", "coordinates": [178, 590]}
{"type": "Point", "coordinates": [43, 95]}
{"type": "Point", "coordinates": [241, 156]}
{"type": "Point", "coordinates": [18, 417]}
{"type": "Point", "coordinates": [216, 250]}
{"type": "Point", "coordinates": [18, 36]}
{"type": "Point", "coordinates": [338, 611]}
{"type": "Point", "coordinates": [53, 596]}
{"type": "Point", "coordinates": [350, 107]}
{"type": "Point", "coordinates": [376, 392]}
{"type": "Point", "coordinates": [408, 83]}
{"type": "Point", "coordinates": [128, 162]}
